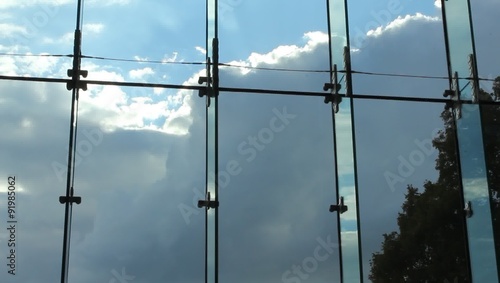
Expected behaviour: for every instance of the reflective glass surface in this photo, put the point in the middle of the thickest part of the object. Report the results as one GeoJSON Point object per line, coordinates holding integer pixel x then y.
{"type": "Point", "coordinates": [413, 224]}
{"type": "Point", "coordinates": [271, 39]}
{"type": "Point", "coordinates": [32, 35]}
{"type": "Point", "coordinates": [485, 27]}
{"type": "Point", "coordinates": [476, 194]}
{"type": "Point", "coordinates": [212, 190]}
{"type": "Point", "coordinates": [212, 145]}
{"type": "Point", "coordinates": [134, 41]}
{"type": "Point", "coordinates": [390, 50]}
{"type": "Point", "coordinates": [344, 144]}
{"type": "Point", "coordinates": [491, 130]}
{"type": "Point", "coordinates": [33, 160]}
{"type": "Point", "coordinates": [471, 146]}
{"type": "Point", "coordinates": [276, 184]}
{"type": "Point", "coordinates": [347, 188]}
{"type": "Point", "coordinates": [417, 180]}
{"type": "Point", "coordinates": [140, 176]}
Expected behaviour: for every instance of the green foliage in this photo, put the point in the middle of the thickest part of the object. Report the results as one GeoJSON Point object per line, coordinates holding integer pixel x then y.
{"type": "Point", "coordinates": [430, 245]}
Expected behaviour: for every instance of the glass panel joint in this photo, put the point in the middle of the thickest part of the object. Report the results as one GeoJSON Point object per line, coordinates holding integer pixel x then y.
{"type": "Point", "coordinates": [208, 203]}
{"type": "Point", "coordinates": [341, 207]}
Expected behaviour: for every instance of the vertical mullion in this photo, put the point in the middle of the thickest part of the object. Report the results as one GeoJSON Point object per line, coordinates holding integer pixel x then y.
{"type": "Point", "coordinates": [346, 173]}
{"type": "Point", "coordinates": [461, 48]}
{"type": "Point", "coordinates": [212, 142]}
{"type": "Point", "coordinates": [69, 198]}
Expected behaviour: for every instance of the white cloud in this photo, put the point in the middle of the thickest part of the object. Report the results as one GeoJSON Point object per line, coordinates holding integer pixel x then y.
{"type": "Point", "coordinates": [158, 90]}
{"type": "Point", "coordinates": [201, 50]}
{"type": "Point", "coordinates": [171, 58]}
{"type": "Point", "coordinates": [9, 30]}
{"type": "Point", "coordinates": [5, 4]}
{"type": "Point", "coordinates": [66, 39]}
{"type": "Point", "coordinates": [8, 66]}
{"type": "Point", "coordinates": [140, 73]}
{"type": "Point", "coordinates": [152, 156]}
{"type": "Point", "coordinates": [93, 28]}
{"type": "Point", "coordinates": [138, 58]}
{"type": "Point", "coordinates": [281, 54]}
{"type": "Point", "coordinates": [399, 22]}
{"type": "Point", "coordinates": [40, 65]}
{"type": "Point", "coordinates": [109, 3]}
{"type": "Point", "coordinates": [115, 108]}
{"type": "Point", "coordinates": [69, 37]}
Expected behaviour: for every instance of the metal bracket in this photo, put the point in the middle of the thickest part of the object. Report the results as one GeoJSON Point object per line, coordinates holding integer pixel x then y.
{"type": "Point", "coordinates": [468, 209]}
{"type": "Point", "coordinates": [208, 203]}
{"type": "Point", "coordinates": [334, 87]}
{"type": "Point", "coordinates": [70, 199]}
{"type": "Point", "coordinates": [82, 73]}
{"type": "Point", "coordinates": [455, 104]}
{"type": "Point", "coordinates": [76, 83]}
{"type": "Point", "coordinates": [212, 80]}
{"type": "Point", "coordinates": [341, 207]}
{"type": "Point", "coordinates": [208, 91]}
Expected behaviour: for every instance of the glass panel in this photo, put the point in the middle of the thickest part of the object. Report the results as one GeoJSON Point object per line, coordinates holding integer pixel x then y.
{"type": "Point", "coordinates": [344, 146]}
{"type": "Point", "coordinates": [139, 172]}
{"type": "Point", "coordinates": [156, 42]}
{"type": "Point", "coordinates": [491, 135]}
{"type": "Point", "coordinates": [485, 21]}
{"type": "Point", "coordinates": [347, 187]}
{"type": "Point", "coordinates": [474, 178]}
{"type": "Point", "coordinates": [383, 40]}
{"type": "Point", "coordinates": [276, 184]}
{"type": "Point", "coordinates": [485, 26]}
{"type": "Point", "coordinates": [481, 240]}
{"type": "Point", "coordinates": [409, 193]}
{"type": "Point", "coordinates": [269, 38]}
{"type": "Point", "coordinates": [460, 41]}
{"type": "Point", "coordinates": [32, 32]}
{"type": "Point", "coordinates": [34, 124]}
{"type": "Point", "coordinates": [211, 184]}
{"type": "Point", "coordinates": [212, 173]}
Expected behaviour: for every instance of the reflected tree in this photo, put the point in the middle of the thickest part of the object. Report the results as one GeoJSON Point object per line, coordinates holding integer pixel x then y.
{"type": "Point", "coordinates": [491, 133]}
{"type": "Point", "coordinates": [496, 88]}
{"type": "Point", "coordinates": [430, 245]}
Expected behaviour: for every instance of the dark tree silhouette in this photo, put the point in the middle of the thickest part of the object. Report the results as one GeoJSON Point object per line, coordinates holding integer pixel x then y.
{"type": "Point", "coordinates": [491, 133]}
{"type": "Point", "coordinates": [430, 245]}
{"type": "Point", "coordinates": [496, 88]}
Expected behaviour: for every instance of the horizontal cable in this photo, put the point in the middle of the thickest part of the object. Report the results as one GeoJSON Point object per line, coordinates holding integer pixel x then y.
{"type": "Point", "coordinates": [239, 66]}
{"type": "Point", "coordinates": [398, 75]}
{"type": "Point", "coordinates": [242, 90]}
{"type": "Point", "coordinates": [36, 55]}
{"type": "Point", "coordinates": [272, 69]}
{"type": "Point", "coordinates": [143, 61]}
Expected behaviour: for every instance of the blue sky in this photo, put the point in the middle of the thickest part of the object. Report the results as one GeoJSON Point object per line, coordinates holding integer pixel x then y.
{"type": "Point", "coordinates": [141, 151]}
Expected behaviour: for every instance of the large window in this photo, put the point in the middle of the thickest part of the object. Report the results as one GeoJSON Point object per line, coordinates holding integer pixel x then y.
{"type": "Point", "coordinates": [249, 141]}
{"type": "Point", "coordinates": [275, 187]}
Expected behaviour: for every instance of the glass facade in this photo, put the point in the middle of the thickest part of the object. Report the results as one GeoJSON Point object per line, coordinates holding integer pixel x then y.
{"type": "Point", "coordinates": [249, 141]}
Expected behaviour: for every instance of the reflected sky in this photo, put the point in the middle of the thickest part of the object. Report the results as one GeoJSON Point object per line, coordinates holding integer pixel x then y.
{"type": "Point", "coordinates": [471, 146]}
{"type": "Point", "coordinates": [139, 184]}
{"type": "Point", "coordinates": [284, 209]}
{"type": "Point", "coordinates": [402, 145]}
